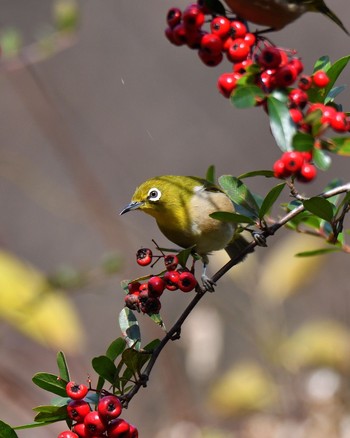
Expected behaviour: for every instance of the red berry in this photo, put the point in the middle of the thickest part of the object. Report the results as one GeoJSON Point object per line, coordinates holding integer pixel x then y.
{"type": "Point", "coordinates": [227, 83]}
{"type": "Point", "coordinates": [194, 38]}
{"type": "Point", "coordinates": [151, 306]}
{"type": "Point", "coordinates": [339, 122]}
{"type": "Point", "coordinates": [238, 51]}
{"type": "Point", "coordinates": [170, 35]}
{"type": "Point", "coordinates": [173, 17]}
{"type": "Point", "coordinates": [118, 428]}
{"type": "Point", "coordinates": [241, 67]}
{"type": "Point", "coordinates": [77, 410]}
{"type": "Point", "coordinates": [171, 279]}
{"type": "Point", "coordinates": [94, 423]}
{"type": "Point", "coordinates": [250, 39]}
{"type": "Point", "coordinates": [292, 160]}
{"type": "Point", "coordinates": [109, 407]}
{"type": "Point", "coordinates": [133, 287]}
{"type": "Point", "coordinates": [144, 256]}
{"type": "Point", "coordinates": [210, 60]}
{"type": "Point", "coordinates": [171, 261]}
{"type": "Point", "coordinates": [156, 286]}
{"type": "Point", "coordinates": [81, 430]}
{"type": "Point", "coordinates": [320, 79]}
{"type": "Point", "coordinates": [285, 76]}
{"type": "Point", "coordinates": [307, 155]}
{"type": "Point", "coordinates": [193, 17]}
{"type": "Point", "coordinates": [220, 26]}
{"type": "Point", "coordinates": [187, 281]}
{"type": "Point", "coordinates": [268, 79]}
{"type": "Point", "coordinates": [179, 35]}
{"type": "Point", "coordinates": [143, 288]}
{"type": "Point", "coordinates": [305, 82]}
{"type": "Point", "coordinates": [298, 98]}
{"type": "Point", "coordinates": [328, 113]}
{"type": "Point", "coordinates": [296, 115]}
{"type": "Point", "coordinates": [307, 172]}
{"type": "Point", "coordinates": [68, 434]}
{"type": "Point", "coordinates": [133, 432]}
{"type": "Point", "coordinates": [75, 391]}
{"type": "Point", "coordinates": [237, 29]}
{"type": "Point", "coordinates": [132, 301]}
{"type": "Point", "coordinates": [212, 44]}
{"type": "Point", "coordinates": [203, 7]}
{"type": "Point", "coordinates": [270, 58]}
{"type": "Point", "coordinates": [279, 169]}
{"type": "Point", "coordinates": [297, 64]}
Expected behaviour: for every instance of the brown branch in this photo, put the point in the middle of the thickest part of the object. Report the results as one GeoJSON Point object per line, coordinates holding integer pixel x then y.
{"type": "Point", "coordinates": [174, 332]}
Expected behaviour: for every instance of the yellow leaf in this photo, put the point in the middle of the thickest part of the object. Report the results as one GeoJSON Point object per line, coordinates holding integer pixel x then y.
{"type": "Point", "coordinates": [283, 274]}
{"type": "Point", "coordinates": [244, 388]}
{"type": "Point", "coordinates": [29, 303]}
{"type": "Point", "coordinates": [317, 343]}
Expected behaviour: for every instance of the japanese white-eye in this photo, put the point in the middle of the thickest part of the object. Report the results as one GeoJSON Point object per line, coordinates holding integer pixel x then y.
{"type": "Point", "coordinates": [276, 14]}
{"type": "Point", "coordinates": [181, 206]}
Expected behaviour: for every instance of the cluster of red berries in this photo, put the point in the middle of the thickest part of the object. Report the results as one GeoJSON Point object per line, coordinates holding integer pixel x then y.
{"type": "Point", "coordinates": [144, 297]}
{"type": "Point", "coordinates": [104, 421]}
{"type": "Point", "coordinates": [225, 36]}
{"type": "Point", "coordinates": [297, 164]}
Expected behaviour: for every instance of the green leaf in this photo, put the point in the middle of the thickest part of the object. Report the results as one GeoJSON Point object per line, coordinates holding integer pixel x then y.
{"type": "Point", "coordinates": [317, 252]}
{"type": "Point", "coordinates": [320, 207]}
{"type": "Point", "coordinates": [130, 328]}
{"type": "Point", "coordinates": [184, 255]}
{"type": "Point", "coordinates": [322, 63]}
{"type": "Point", "coordinates": [246, 96]}
{"type": "Point", "coordinates": [282, 126]}
{"type": "Point", "coordinates": [62, 366]}
{"type": "Point", "coordinates": [124, 285]}
{"type": "Point", "coordinates": [50, 414]}
{"type": "Point", "coordinates": [25, 426]}
{"type": "Point", "coordinates": [210, 175]}
{"type": "Point", "coordinates": [215, 6]}
{"type": "Point", "coordinates": [240, 195]}
{"type": "Point", "coordinates": [231, 217]}
{"type": "Point", "coordinates": [303, 142]}
{"type": "Point", "coordinates": [321, 159]}
{"type": "Point", "coordinates": [333, 93]}
{"type": "Point", "coordinates": [339, 145]}
{"type": "Point", "coordinates": [135, 360]}
{"type": "Point", "coordinates": [152, 345]}
{"type": "Point", "coordinates": [266, 173]}
{"type": "Point", "coordinates": [155, 317]}
{"type": "Point", "coordinates": [270, 199]}
{"type": "Point", "coordinates": [105, 368]}
{"type": "Point", "coordinates": [334, 72]}
{"type": "Point", "coordinates": [115, 349]}
{"type": "Point", "coordinates": [6, 431]}
{"type": "Point", "coordinates": [51, 383]}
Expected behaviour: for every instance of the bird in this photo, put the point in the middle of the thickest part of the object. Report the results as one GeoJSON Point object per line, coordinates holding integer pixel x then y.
{"type": "Point", "coordinates": [276, 14]}
{"type": "Point", "coordinates": [181, 206]}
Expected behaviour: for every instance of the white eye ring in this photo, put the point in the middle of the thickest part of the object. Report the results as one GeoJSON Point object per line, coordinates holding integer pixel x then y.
{"type": "Point", "coordinates": [154, 194]}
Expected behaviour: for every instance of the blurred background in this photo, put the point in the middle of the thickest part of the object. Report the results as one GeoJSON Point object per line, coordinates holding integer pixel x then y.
{"type": "Point", "coordinates": [85, 117]}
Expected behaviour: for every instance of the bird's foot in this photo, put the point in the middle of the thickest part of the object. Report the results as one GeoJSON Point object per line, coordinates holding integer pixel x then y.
{"type": "Point", "coordinates": [208, 283]}
{"type": "Point", "coordinates": [259, 238]}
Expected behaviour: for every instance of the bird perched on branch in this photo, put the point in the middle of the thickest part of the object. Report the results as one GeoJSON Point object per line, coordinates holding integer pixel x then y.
{"type": "Point", "coordinates": [181, 206]}
{"type": "Point", "coordinates": [276, 14]}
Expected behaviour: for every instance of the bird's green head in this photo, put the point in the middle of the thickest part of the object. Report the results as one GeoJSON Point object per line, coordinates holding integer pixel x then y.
{"type": "Point", "coordinates": [164, 195]}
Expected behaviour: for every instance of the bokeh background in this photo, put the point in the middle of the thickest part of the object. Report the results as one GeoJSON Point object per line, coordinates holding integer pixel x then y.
{"type": "Point", "coordinates": [267, 354]}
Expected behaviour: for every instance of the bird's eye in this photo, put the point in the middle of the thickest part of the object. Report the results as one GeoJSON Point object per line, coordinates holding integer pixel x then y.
{"type": "Point", "coordinates": [154, 194]}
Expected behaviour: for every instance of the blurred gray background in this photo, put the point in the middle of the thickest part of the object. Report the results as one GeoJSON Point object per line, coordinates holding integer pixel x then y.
{"type": "Point", "coordinates": [80, 130]}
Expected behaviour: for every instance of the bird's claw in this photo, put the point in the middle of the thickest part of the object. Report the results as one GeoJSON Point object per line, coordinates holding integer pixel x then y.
{"type": "Point", "coordinates": [259, 238]}
{"type": "Point", "coordinates": [208, 283]}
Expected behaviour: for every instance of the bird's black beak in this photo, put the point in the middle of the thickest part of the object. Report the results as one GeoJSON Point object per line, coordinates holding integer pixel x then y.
{"type": "Point", "coordinates": [131, 206]}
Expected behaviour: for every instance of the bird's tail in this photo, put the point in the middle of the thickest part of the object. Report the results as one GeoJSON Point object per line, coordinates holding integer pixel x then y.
{"type": "Point", "coordinates": [320, 6]}
{"type": "Point", "coordinates": [236, 248]}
